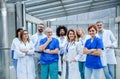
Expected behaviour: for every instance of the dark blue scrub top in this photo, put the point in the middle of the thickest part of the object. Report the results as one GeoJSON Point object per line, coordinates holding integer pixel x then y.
{"type": "Point", "coordinates": [93, 61]}
{"type": "Point", "coordinates": [46, 58]}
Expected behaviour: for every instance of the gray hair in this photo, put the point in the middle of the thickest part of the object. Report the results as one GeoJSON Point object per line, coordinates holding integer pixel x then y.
{"type": "Point", "coordinates": [99, 22]}
{"type": "Point", "coordinates": [48, 28]}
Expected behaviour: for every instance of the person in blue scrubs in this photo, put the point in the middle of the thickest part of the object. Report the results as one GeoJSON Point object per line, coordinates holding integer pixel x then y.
{"type": "Point", "coordinates": [15, 43]}
{"type": "Point", "coordinates": [93, 48]}
{"type": "Point", "coordinates": [49, 46]}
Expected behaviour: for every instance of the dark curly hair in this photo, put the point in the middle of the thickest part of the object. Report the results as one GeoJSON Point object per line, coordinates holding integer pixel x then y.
{"type": "Point", "coordinates": [59, 28]}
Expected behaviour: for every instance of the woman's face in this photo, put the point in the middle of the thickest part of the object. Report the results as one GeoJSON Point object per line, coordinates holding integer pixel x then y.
{"type": "Point", "coordinates": [79, 32]}
{"type": "Point", "coordinates": [92, 32]}
{"type": "Point", "coordinates": [71, 36]}
{"type": "Point", "coordinates": [25, 35]}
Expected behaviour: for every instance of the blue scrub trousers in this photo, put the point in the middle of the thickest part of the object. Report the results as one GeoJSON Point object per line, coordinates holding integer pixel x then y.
{"type": "Point", "coordinates": [82, 69]}
{"type": "Point", "coordinates": [49, 70]}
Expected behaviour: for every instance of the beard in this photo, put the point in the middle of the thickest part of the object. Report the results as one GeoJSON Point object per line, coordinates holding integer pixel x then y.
{"type": "Point", "coordinates": [40, 30]}
{"type": "Point", "coordinates": [62, 34]}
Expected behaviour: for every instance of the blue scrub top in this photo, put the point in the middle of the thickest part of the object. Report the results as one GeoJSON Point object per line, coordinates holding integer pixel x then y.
{"type": "Point", "coordinates": [46, 58]}
{"type": "Point", "coordinates": [93, 61]}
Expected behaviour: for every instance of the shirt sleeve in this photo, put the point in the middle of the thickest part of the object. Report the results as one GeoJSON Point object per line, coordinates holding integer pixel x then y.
{"type": "Point", "coordinates": [19, 53]}
{"type": "Point", "coordinates": [31, 50]}
{"type": "Point", "coordinates": [41, 42]}
{"type": "Point", "coordinates": [113, 40]}
{"type": "Point", "coordinates": [79, 50]}
{"type": "Point", "coordinates": [86, 43]}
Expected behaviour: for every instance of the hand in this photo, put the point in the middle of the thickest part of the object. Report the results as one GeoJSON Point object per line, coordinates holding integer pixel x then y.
{"type": "Point", "coordinates": [47, 51]}
{"type": "Point", "coordinates": [24, 51]}
{"type": "Point", "coordinates": [31, 48]}
{"type": "Point", "coordinates": [96, 54]}
{"type": "Point", "coordinates": [93, 50]}
{"type": "Point", "coordinates": [73, 60]}
{"type": "Point", "coordinates": [49, 39]}
{"type": "Point", "coordinates": [108, 47]}
{"type": "Point", "coordinates": [64, 60]}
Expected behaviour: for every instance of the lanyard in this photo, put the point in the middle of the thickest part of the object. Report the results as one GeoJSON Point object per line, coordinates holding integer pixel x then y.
{"type": "Point", "coordinates": [68, 45]}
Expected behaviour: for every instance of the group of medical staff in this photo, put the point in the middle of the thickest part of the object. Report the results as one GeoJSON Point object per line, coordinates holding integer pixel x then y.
{"type": "Point", "coordinates": [70, 54]}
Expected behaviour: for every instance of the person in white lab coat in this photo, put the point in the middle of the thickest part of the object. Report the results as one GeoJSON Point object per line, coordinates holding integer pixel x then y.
{"type": "Point", "coordinates": [14, 44]}
{"type": "Point", "coordinates": [82, 37]}
{"type": "Point", "coordinates": [70, 63]}
{"type": "Point", "coordinates": [36, 39]}
{"type": "Point", "coordinates": [61, 32]}
{"type": "Point", "coordinates": [110, 43]}
{"type": "Point", "coordinates": [25, 51]}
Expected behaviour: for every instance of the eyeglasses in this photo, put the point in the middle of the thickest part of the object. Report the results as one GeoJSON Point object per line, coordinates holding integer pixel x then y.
{"type": "Point", "coordinates": [99, 25]}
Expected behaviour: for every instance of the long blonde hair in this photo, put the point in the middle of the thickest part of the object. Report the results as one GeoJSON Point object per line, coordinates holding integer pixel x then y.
{"type": "Point", "coordinates": [79, 36]}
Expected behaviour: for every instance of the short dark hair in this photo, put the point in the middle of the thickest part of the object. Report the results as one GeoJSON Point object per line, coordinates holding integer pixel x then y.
{"type": "Point", "coordinates": [41, 24]}
{"type": "Point", "coordinates": [18, 30]}
{"type": "Point", "coordinates": [59, 28]}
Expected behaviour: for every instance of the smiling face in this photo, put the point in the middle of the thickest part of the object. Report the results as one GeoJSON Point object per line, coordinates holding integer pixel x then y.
{"type": "Point", "coordinates": [48, 32]}
{"type": "Point", "coordinates": [40, 28]}
{"type": "Point", "coordinates": [62, 32]}
{"type": "Point", "coordinates": [79, 32]}
{"type": "Point", "coordinates": [71, 35]}
{"type": "Point", "coordinates": [92, 30]}
{"type": "Point", "coordinates": [100, 26]}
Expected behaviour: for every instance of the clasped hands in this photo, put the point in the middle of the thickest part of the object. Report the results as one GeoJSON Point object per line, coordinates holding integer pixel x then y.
{"type": "Point", "coordinates": [47, 51]}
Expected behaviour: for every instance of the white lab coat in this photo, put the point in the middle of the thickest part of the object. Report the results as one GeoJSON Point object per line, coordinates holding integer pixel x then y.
{"type": "Point", "coordinates": [73, 51]}
{"type": "Point", "coordinates": [34, 38]}
{"type": "Point", "coordinates": [25, 65]}
{"type": "Point", "coordinates": [62, 45]}
{"type": "Point", "coordinates": [15, 44]}
{"type": "Point", "coordinates": [82, 56]}
{"type": "Point", "coordinates": [109, 40]}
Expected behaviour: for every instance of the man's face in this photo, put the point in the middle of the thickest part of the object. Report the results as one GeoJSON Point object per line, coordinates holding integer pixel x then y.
{"type": "Point", "coordinates": [100, 26]}
{"type": "Point", "coordinates": [62, 32]}
{"type": "Point", "coordinates": [40, 28]}
{"type": "Point", "coordinates": [49, 33]}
